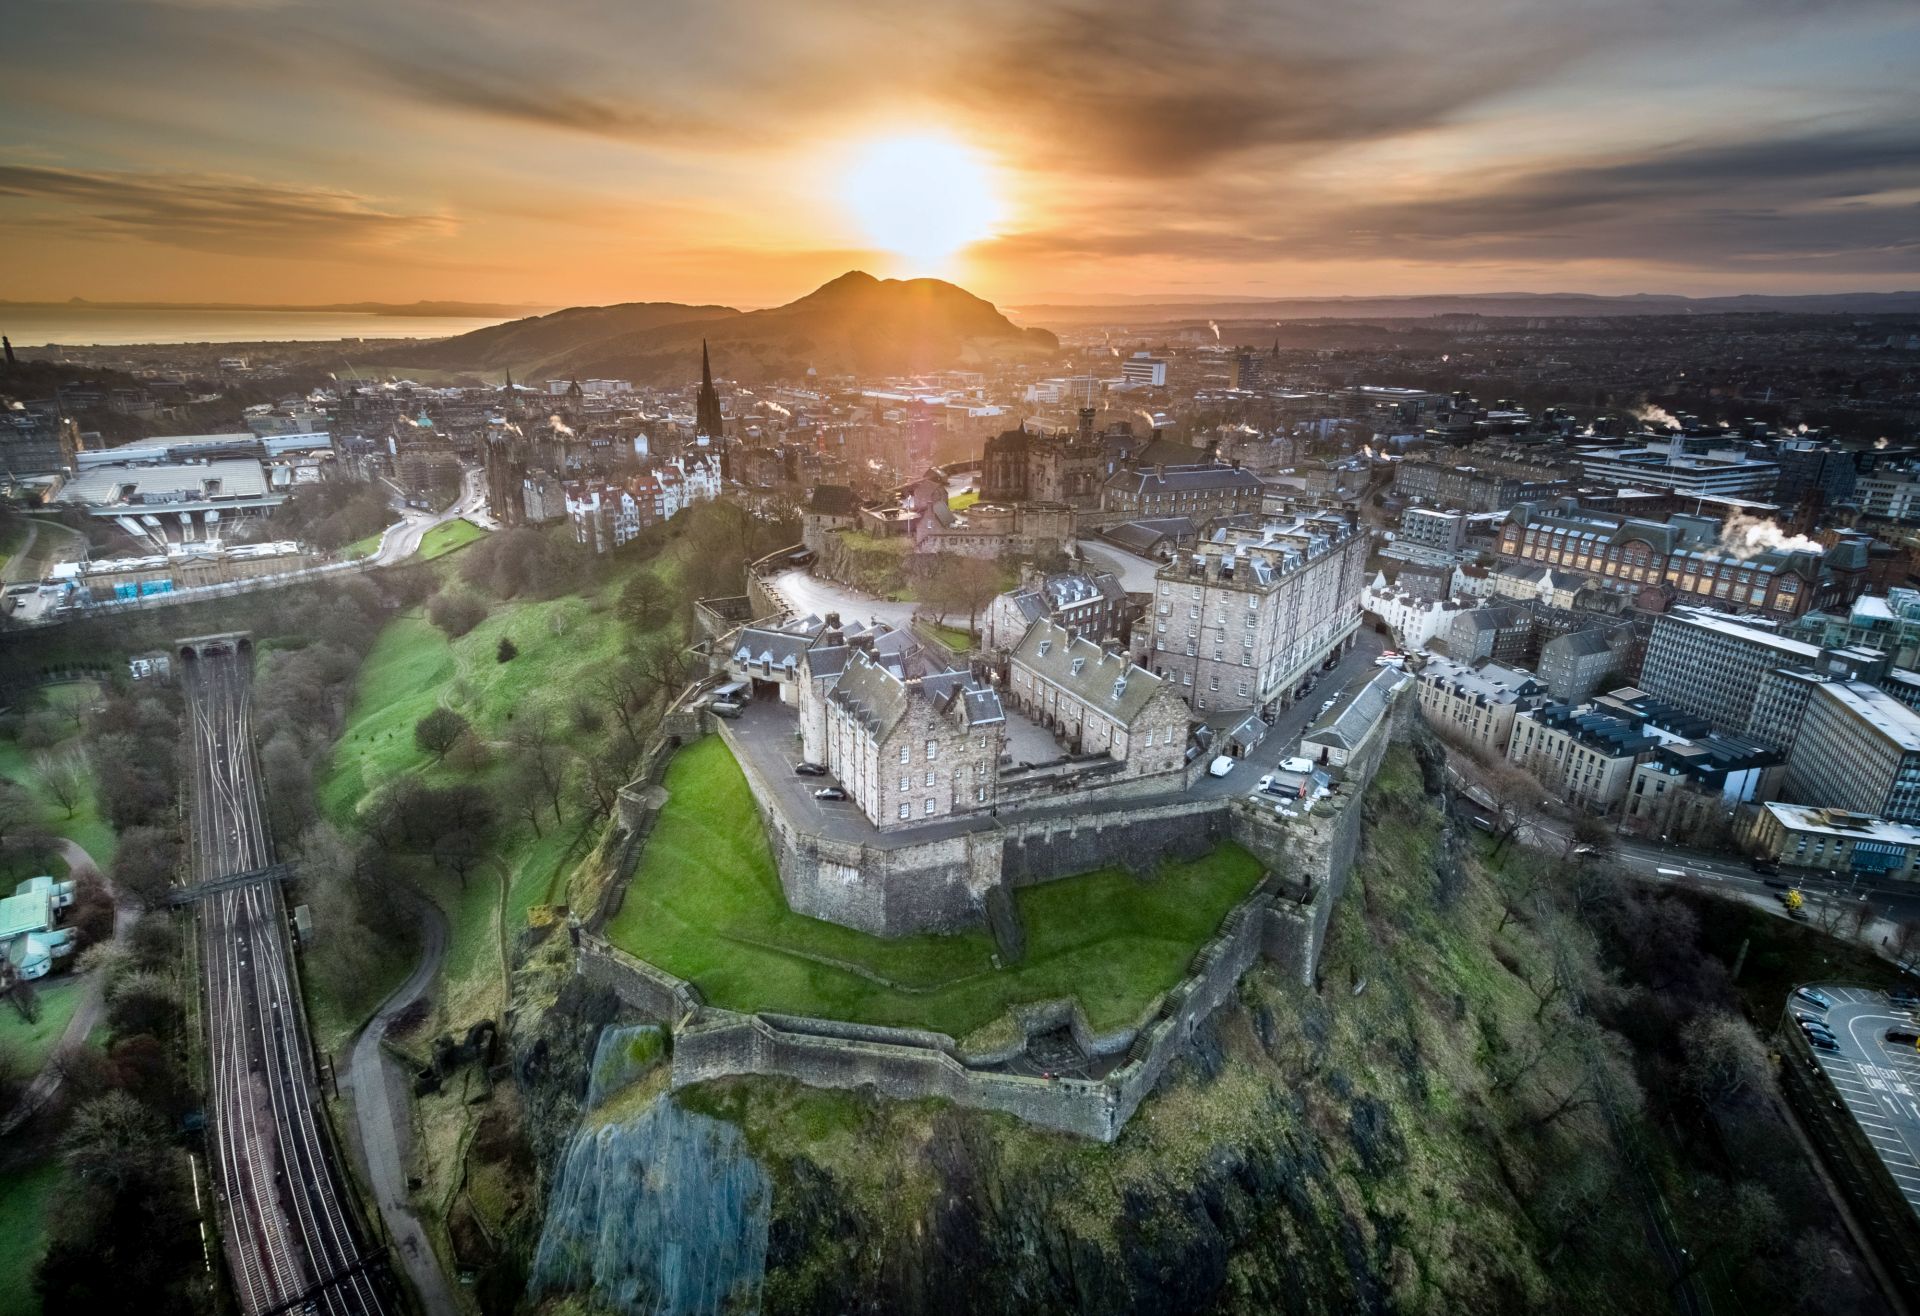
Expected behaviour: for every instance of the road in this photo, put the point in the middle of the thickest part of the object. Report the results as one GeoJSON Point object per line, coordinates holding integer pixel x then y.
{"type": "Point", "coordinates": [1135, 572]}
{"type": "Point", "coordinates": [1283, 737]}
{"type": "Point", "coordinates": [804, 594]}
{"type": "Point", "coordinates": [380, 1117]}
{"type": "Point", "coordinates": [288, 1226]}
{"type": "Point", "coordinates": [401, 540]}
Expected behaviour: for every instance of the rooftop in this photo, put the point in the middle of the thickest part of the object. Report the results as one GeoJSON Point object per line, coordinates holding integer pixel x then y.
{"type": "Point", "coordinates": [1877, 709]}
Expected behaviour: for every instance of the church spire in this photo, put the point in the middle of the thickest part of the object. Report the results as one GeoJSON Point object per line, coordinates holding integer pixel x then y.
{"type": "Point", "coordinates": [706, 407]}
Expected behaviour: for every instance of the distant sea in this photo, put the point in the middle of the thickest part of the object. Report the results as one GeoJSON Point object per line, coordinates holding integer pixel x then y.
{"type": "Point", "coordinates": [89, 326]}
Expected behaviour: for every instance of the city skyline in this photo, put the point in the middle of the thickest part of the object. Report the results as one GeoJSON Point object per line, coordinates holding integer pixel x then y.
{"type": "Point", "coordinates": [276, 151]}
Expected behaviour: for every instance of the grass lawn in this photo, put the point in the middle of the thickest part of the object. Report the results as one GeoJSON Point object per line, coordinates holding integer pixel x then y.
{"type": "Point", "coordinates": [31, 1043]}
{"type": "Point", "coordinates": [961, 502]}
{"type": "Point", "coordinates": [954, 637]}
{"type": "Point", "coordinates": [443, 539]}
{"type": "Point", "coordinates": [13, 537]}
{"type": "Point", "coordinates": [26, 1196]}
{"type": "Point", "coordinates": [364, 547]}
{"type": "Point", "coordinates": [706, 904]}
{"type": "Point", "coordinates": [414, 667]}
{"type": "Point", "coordinates": [85, 827]}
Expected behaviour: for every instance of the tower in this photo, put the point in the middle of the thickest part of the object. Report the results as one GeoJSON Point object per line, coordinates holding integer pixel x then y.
{"type": "Point", "coordinates": [706, 407]}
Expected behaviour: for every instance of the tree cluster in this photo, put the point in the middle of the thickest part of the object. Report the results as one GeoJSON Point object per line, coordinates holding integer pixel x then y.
{"type": "Point", "coordinates": [334, 513]}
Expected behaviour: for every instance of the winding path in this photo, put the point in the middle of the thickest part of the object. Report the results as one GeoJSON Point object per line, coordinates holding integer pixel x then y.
{"type": "Point", "coordinates": [382, 1121]}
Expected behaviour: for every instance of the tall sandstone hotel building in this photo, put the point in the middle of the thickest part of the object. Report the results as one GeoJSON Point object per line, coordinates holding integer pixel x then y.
{"type": "Point", "coordinates": [1244, 619]}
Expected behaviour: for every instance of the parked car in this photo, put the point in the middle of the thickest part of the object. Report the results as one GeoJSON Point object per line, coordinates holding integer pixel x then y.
{"type": "Point", "coordinates": [829, 793]}
{"type": "Point", "coordinates": [1820, 1043]}
{"type": "Point", "coordinates": [809, 770]}
{"type": "Point", "coordinates": [1221, 765]}
{"type": "Point", "coordinates": [1903, 1036]}
{"type": "Point", "coordinates": [1814, 996]}
{"type": "Point", "coordinates": [1765, 867]}
{"type": "Point", "coordinates": [1811, 1024]}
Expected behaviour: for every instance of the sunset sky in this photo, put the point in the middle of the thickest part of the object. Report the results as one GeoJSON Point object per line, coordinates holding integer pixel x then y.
{"type": "Point", "coordinates": [714, 150]}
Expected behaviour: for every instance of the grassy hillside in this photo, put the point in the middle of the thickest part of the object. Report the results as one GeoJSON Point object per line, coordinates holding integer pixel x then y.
{"type": "Point", "coordinates": [1385, 1143]}
{"type": "Point", "coordinates": [706, 904]}
{"type": "Point", "coordinates": [84, 826]}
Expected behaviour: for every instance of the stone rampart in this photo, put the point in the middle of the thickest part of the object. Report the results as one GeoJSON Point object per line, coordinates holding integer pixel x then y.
{"type": "Point", "coordinates": [1284, 920]}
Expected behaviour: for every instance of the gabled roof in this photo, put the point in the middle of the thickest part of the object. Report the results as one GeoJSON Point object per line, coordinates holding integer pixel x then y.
{"type": "Point", "coordinates": [1109, 683]}
{"type": "Point", "coordinates": [1347, 724]}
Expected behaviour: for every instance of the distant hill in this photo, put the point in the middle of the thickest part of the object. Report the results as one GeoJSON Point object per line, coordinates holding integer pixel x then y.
{"type": "Point", "coordinates": [856, 323]}
{"type": "Point", "coordinates": [1550, 304]}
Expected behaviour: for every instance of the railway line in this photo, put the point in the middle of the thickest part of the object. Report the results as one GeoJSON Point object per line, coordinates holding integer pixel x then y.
{"type": "Point", "coordinates": [289, 1230]}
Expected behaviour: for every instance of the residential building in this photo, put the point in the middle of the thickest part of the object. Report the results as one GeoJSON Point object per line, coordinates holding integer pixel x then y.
{"type": "Point", "coordinates": [1445, 531]}
{"type": "Point", "coordinates": [31, 937]}
{"type": "Point", "coordinates": [1092, 605]}
{"type": "Point", "coordinates": [1584, 756]}
{"type": "Point", "coordinates": [1578, 665]}
{"type": "Point", "coordinates": [911, 748]}
{"type": "Point", "coordinates": [1475, 703]}
{"type": "Point", "coordinates": [1858, 749]}
{"type": "Point", "coordinates": [1835, 841]}
{"type": "Point", "coordinates": [1097, 701]}
{"type": "Point", "coordinates": [1497, 631]}
{"type": "Point", "coordinates": [1691, 787]}
{"type": "Point", "coordinates": [1243, 620]}
{"type": "Point", "coordinates": [1415, 620]}
{"type": "Point", "coordinates": [1537, 584]}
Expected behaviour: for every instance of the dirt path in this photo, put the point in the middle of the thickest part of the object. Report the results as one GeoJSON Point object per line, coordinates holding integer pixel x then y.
{"type": "Point", "coordinates": [382, 1123]}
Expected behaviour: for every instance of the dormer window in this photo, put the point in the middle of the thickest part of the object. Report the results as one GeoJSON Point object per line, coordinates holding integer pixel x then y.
{"type": "Point", "coordinates": [1045, 645]}
{"type": "Point", "coordinates": [1119, 687]}
{"type": "Point", "coordinates": [1078, 663]}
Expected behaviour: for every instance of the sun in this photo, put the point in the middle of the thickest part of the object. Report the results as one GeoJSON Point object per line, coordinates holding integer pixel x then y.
{"type": "Point", "coordinates": [922, 197]}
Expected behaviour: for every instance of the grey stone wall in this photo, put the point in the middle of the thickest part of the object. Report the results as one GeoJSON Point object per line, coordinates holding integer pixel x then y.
{"type": "Point", "coordinates": [1040, 850]}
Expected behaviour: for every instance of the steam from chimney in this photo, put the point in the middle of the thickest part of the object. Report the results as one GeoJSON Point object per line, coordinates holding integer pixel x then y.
{"type": "Point", "coordinates": [559, 426]}
{"type": "Point", "coordinates": [1658, 416]}
{"type": "Point", "coordinates": [1746, 536]}
{"type": "Point", "coordinates": [1216, 330]}
{"type": "Point", "coordinates": [1881, 442]}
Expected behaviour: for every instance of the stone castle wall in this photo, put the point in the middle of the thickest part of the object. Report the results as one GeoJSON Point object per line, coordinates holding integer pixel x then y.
{"type": "Point", "coordinates": [1284, 920]}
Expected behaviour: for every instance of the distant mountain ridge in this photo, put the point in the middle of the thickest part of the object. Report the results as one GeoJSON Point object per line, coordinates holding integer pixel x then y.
{"type": "Point", "coordinates": [1548, 304]}
{"type": "Point", "coordinates": [452, 310]}
{"type": "Point", "coordinates": [854, 324]}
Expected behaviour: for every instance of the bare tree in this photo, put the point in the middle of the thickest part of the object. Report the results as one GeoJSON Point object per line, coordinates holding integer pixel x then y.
{"type": "Point", "coordinates": [1724, 1057]}
{"type": "Point", "coordinates": [64, 778]}
{"type": "Point", "coordinates": [541, 760]}
{"type": "Point", "coordinates": [17, 808]}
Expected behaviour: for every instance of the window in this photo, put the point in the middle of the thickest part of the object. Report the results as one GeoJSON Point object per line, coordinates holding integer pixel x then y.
{"type": "Point", "coordinates": [904, 780]}
{"type": "Point", "coordinates": [980, 795]}
{"type": "Point", "coordinates": [929, 808]}
{"type": "Point", "coordinates": [933, 750]}
{"type": "Point", "coordinates": [904, 753]}
{"type": "Point", "coordinates": [929, 779]}
{"type": "Point", "coordinates": [906, 811]}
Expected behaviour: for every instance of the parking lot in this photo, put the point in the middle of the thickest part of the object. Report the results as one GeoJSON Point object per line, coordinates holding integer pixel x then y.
{"type": "Point", "coordinates": [1878, 1080]}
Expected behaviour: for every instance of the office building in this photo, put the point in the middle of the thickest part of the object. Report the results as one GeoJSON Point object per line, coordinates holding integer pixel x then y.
{"type": "Point", "coordinates": [1858, 749]}
{"type": "Point", "coordinates": [1711, 664]}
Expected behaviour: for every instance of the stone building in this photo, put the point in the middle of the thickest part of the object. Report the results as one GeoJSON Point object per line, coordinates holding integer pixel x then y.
{"type": "Point", "coordinates": [1584, 756]}
{"type": "Point", "coordinates": [1018, 467]}
{"type": "Point", "coordinates": [1686, 553]}
{"type": "Point", "coordinates": [1097, 701]}
{"type": "Point", "coordinates": [1091, 604]}
{"type": "Point", "coordinates": [991, 530]}
{"type": "Point", "coordinates": [1243, 620]}
{"type": "Point", "coordinates": [1835, 841]}
{"type": "Point", "coordinates": [1204, 491]}
{"type": "Point", "coordinates": [912, 748]}
{"type": "Point", "coordinates": [1498, 631]}
{"type": "Point", "coordinates": [831, 507]}
{"type": "Point", "coordinates": [1577, 665]}
{"type": "Point", "coordinates": [1475, 703]}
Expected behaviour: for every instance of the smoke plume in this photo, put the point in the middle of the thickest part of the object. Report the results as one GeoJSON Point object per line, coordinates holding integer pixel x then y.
{"type": "Point", "coordinates": [1653, 415]}
{"type": "Point", "coordinates": [1749, 536]}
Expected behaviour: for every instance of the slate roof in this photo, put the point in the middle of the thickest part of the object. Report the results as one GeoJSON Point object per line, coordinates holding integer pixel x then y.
{"type": "Point", "coordinates": [1107, 682]}
{"type": "Point", "coordinates": [1149, 481]}
{"type": "Point", "coordinates": [1346, 724]}
{"type": "Point", "coordinates": [833, 500]}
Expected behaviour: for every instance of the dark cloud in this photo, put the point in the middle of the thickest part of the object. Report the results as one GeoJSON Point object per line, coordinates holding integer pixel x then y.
{"type": "Point", "coordinates": [211, 213]}
{"type": "Point", "coordinates": [1840, 198]}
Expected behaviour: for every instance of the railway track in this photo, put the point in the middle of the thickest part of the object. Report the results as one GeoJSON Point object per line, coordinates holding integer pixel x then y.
{"type": "Point", "coordinates": [289, 1231]}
